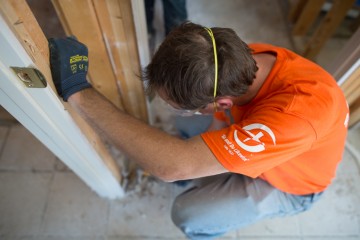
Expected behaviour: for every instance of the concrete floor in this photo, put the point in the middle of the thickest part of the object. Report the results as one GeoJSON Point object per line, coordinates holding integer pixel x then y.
{"type": "Point", "coordinates": [41, 199]}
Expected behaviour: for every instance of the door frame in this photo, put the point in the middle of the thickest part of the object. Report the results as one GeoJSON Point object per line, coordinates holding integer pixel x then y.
{"type": "Point", "coordinates": [45, 116]}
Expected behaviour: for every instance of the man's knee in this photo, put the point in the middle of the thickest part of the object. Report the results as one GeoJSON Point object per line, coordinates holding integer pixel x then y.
{"type": "Point", "coordinates": [187, 213]}
{"type": "Point", "coordinates": [178, 212]}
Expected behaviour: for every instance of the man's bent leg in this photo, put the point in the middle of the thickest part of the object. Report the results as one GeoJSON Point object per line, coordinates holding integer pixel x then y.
{"type": "Point", "coordinates": [230, 201]}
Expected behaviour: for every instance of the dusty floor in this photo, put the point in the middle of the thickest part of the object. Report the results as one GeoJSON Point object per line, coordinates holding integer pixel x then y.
{"type": "Point", "coordinates": [42, 199]}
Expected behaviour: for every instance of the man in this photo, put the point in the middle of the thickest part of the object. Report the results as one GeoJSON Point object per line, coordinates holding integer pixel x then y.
{"type": "Point", "coordinates": [273, 148]}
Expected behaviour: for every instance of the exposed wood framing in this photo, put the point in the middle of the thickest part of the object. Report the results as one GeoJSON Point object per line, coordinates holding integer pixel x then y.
{"type": "Point", "coordinates": [303, 15]}
{"type": "Point", "coordinates": [307, 17]}
{"type": "Point", "coordinates": [107, 28]}
{"type": "Point", "coordinates": [295, 10]}
{"type": "Point", "coordinates": [79, 19]}
{"type": "Point", "coordinates": [23, 24]}
{"type": "Point", "coordinates": [327, 27]}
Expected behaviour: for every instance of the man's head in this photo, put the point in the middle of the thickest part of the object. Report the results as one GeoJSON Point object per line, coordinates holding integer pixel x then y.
{"type": "Point", "coordinates": [183, 67]}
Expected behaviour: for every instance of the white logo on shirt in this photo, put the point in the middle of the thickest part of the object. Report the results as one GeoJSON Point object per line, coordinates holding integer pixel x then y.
{"type": "Point", "coordinates": [255, 137]}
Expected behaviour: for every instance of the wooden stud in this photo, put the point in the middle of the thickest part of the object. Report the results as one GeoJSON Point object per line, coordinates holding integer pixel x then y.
{"type": "Point", "coordinates": [307, 17]}
{"type": "Point", "coordinates": [79, 19]}
{"type": "Point", "coordinates": [296, 10]}
{"type": "Point", "coordinates": [132, 63]}
{"type": "Point", "coordinates": [117, 25]}
{"type": "Point", "coordinates": [327, 27]}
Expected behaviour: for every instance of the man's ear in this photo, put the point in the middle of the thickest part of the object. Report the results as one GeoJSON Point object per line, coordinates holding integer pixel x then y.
{"type": "Point", "coordinates": [224, 103]}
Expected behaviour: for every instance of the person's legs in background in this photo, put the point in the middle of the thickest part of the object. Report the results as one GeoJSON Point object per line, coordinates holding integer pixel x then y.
{"type": "Point", "coordinates": [149, 10]}
{"type": "Point", "coordinates": [175, 13]}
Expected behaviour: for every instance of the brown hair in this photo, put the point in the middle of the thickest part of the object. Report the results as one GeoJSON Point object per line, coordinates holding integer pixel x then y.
{"type": "Point", "coordinates": [183, 66]}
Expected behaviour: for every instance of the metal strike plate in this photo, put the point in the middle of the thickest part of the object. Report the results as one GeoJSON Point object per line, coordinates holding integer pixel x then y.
{"type": "Point", "coordinates": [30, 77]}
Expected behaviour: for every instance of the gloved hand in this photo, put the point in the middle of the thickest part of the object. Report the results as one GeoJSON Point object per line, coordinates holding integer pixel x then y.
{"type": "Point", "coordinates": [69, 65]}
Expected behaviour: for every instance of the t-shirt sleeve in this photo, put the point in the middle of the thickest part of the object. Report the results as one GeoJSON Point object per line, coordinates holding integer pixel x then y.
{"type": "Point", "coordinates": [260, 142]}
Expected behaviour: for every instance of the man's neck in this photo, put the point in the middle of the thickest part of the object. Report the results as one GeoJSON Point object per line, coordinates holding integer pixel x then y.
{"type": "Point", "coordinates": [265, 62]}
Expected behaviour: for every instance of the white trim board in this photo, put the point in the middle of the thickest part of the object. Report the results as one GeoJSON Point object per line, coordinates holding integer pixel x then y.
{"type": "Point", "coordinates": [349, 72]}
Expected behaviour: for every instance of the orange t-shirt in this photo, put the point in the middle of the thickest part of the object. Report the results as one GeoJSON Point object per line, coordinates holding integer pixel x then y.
{"type": "Point", "coordinates": [292, 134]}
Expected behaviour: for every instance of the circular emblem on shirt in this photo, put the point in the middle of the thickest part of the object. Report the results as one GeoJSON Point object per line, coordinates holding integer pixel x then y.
{"type": "Point", "coordinates": [256, 133]}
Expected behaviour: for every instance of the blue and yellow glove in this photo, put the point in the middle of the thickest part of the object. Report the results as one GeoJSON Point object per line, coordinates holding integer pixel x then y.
{"type": "Point", "coordinates": [69, 64]}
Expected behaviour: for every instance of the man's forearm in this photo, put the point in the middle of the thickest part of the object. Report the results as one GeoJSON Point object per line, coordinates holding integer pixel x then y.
{"type": "Point", "coordinates": [135, 138]}
{"type": "Point", "coordinates": [163, 155]}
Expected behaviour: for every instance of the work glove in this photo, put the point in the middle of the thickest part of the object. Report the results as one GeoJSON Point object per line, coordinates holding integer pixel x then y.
{"type": "Point", "coordinates": [69, 65]}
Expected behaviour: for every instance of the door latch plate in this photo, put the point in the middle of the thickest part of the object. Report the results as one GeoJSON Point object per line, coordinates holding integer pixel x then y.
{"type": "Point", "coordinates": [30, 77]}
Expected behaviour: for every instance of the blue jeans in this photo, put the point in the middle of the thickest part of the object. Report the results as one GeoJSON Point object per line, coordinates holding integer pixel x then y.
{"type": "Point", "coordinates": [229, 201]}
{"type": "Point", "coordinates": [174, 14]}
